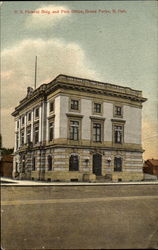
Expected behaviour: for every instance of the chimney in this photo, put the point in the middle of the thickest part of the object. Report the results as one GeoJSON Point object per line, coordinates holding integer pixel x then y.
{"type": "Point", "coordinates": [29, 91]}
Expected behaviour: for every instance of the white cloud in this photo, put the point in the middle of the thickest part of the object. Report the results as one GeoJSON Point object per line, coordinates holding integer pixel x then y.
{"type": "Point", "coordinates": [54, 57]}
{"type": "Point", "coordinates": [46, 16]}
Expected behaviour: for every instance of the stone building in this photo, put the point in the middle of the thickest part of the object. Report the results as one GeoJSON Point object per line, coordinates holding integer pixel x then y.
{"type": "Point", "coordinates": [74, 129]}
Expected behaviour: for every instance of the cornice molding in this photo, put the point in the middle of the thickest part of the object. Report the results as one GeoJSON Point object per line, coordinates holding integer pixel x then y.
{"type": "Point", "coordinates": [118, 120]}
{"type": "Point", "coordinates": [74, 115]}
{"type": "Point", "coordinates": [82, 85]}
{"type": "Point", "coordinates": [97, 118]}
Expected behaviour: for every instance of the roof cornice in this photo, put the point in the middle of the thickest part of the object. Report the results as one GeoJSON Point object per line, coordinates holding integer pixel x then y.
{"type": "Point", "coordinates": [81, 84]}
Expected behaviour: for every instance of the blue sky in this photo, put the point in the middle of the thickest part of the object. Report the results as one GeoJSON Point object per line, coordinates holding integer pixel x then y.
{"type": "Point", "coordinates": [116, 44]}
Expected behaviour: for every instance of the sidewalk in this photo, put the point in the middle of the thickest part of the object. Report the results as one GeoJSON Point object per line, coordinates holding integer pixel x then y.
{"type": "Point", "coordinates": [10, 182]}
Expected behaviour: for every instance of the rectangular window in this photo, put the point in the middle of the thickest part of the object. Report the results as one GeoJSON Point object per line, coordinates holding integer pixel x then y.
{"type": "Point", "coordinates": [74, 104]}
{"type": "Point", "coordinates": [17, 140]}
{"type": "Point", "coordinates": [22, 120]}
{"type": "Point", "coordinates": [118, 134]}
{"type": "Point", "coordinates": [28, 133]}
{"type": "Point", "coordinates": [51, 107]}
{"type": "Point", "coordinates": [49, 162]}
{"type": "Point", "coordinates": [74, 130]}
{"type": "Point", "coordinates": [16, 167]}
{"type": "Point", "coordinates": [22, 137]}
{"type": "Point", "coordinates": [29, 116]}
{"type": "Point", "coordinates": [36, 134]}
{"type": "Point", "coordinates": [117, 164]}
{"type": "Point", "coordinates": [51, 131]}
{"type": "Point", "coordinates": [17, 124]}
{"type": "Point", "coordinates": [97, 107]}
{"type": "Point", "coordinates": [36, 112]}
{"type": "Point", "coordinates": [118, 110]}
{"type": "Point", "coordinates": [96, 132]}
{"type": "Point", "coordinates": [33, 163]}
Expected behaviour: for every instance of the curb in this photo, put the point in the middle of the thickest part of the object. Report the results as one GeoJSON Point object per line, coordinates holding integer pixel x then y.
{"type": "Point", "coordinates": [74, 184]}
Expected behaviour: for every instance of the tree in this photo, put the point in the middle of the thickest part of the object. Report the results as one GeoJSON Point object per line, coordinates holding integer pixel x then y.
{"type": "Point", "coordinates": [7, 151]}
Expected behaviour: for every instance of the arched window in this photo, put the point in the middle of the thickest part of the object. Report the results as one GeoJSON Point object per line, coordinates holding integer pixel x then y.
{"type": "Point", "coordinates": [117, 164]}
{"type": "Point", "coordinates": [73, 163]}
{"type": "Point", "coordinates": [33, 163]}
{"type": "Point", "coordinates": [49, 162]}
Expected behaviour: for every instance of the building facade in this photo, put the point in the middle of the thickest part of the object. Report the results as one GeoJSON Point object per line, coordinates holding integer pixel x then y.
{"type": "Point", "coordinates": [74, 129]}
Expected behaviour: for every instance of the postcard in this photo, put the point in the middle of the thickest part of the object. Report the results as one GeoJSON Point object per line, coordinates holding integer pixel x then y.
{"type": "Point", "coordinates": [79, 131]}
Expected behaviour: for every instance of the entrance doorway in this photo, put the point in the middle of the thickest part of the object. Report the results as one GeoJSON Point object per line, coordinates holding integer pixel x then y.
{"type": "Point", "coordinates": [97, 164]}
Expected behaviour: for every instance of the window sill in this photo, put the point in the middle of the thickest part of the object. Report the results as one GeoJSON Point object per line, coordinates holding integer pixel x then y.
{"type": "Point", "coordinates": [98, 113]}
{"type": "Point", "coordinates": [73, 142]}
{"type": "Point", "coordinates": [119, 116]}
{"type": "Point", "coordinates": [118, 144]}
{"type": "Point", "coordinates": [51, 115]}
{"type": "Point", "coordinates": [36, 118]}
{"type": "Point", "coordinates": [99, 117]}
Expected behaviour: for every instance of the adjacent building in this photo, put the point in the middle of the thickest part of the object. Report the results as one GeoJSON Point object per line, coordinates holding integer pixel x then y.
{"type": "Point", "coordinates": [74, 129]}
{"type": "Point", "coordinates": [151, 167]}
{"type": "Point", "coordinates": [6, 165]}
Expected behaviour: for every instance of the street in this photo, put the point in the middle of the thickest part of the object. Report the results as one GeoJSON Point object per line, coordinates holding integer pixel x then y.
{"type": "Point", "coordinates": [80, 217]}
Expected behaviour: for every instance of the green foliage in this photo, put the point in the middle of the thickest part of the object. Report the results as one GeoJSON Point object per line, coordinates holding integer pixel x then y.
{"type": "Point", "coordinates": [6, 151]}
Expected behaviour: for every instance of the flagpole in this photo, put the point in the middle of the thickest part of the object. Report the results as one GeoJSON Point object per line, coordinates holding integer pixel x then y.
{"type": "Point", "coordinates": [35, 70]}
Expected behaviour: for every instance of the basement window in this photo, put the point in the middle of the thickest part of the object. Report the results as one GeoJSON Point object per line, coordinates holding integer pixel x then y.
{"type": "Point", "coordinates": [74, 180]}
